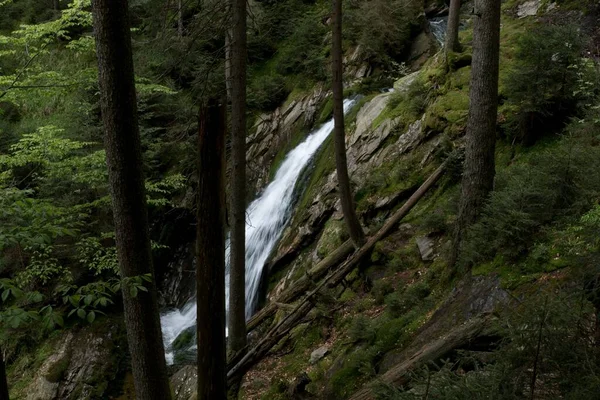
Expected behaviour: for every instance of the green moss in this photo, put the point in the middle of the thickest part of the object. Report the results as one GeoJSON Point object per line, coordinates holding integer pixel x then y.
{"type": "Point", "coordinates": [57, 370]}
{"type": "Point", "coordinates": [448, 113]}
{"type": "Point", "coordinates": [334, 234]}
{"type": "Point", "coordinates": [326, 111]}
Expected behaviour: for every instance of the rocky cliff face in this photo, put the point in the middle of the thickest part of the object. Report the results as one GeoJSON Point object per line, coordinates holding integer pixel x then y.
{"type": "Point", "coordinates": [81, 364]}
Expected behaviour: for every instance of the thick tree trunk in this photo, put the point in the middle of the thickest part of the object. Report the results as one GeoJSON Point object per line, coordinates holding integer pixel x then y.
{"type": "Point", "coordinates": [347, 199]}
{"type": "Point", "coordinates": [3, 382]}
{"type": "Point", "coordinates": [237, 277]}
{"type": "Point", "coordinates": [479, 168]}
{"type": "Point", "coordinates": [210, 254]}
{"type": "Point", "coordinates": [452, 43]}
{"type": "Point", "coordinates": [124, 161]}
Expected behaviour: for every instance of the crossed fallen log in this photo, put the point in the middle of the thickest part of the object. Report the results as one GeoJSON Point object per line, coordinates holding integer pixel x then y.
{"type": "Point", "coordinates": [333, 277]}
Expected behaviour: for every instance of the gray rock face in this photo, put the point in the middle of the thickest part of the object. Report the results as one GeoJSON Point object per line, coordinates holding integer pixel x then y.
{"type": "Point", "coordinates": [425, 246]}
{"type": "Point", "coordinates": [318, 354]}
{"type": "Point", "coordinates": [184, 383]}
{"type": "Point", "coordinates": [528, 9]}
{"type": "Point", "coordinates": [81, 366]}
{"type": "Point", "coordinates": [367, 149]}
{"type": "Point", "coordinates": [273, 130]}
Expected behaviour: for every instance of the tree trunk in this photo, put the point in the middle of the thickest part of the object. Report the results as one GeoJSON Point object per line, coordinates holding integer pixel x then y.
{"type": "Point", "coordinates": [347, 199]}
{"type": "Point", "coordinates": [126, 182]}
{"type": "Point", "coordinates": [237, 274]}
{"type": "Point", "coordinates": [479, 168]}
{"type": "Point", "coordinates": [3, 382]}
{"type": "Point", "coordinates": [210, 254]}
{"type": "Point", "coordinates": [180, 18]}
{"type": "Point", "coordinates": [452, 43]}
{"type": "Point", "coordinates": [56, 5]}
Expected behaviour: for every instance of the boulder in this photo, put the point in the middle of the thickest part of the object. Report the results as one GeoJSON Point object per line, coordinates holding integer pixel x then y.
{"type": "Point", "coordinates": [184, 383]}
{"type": "Point", "coordinates": [318, 354]}
{"type": "Point", "coordinates": [425, 245]}
{"type": "Point", "coordinates": [528, 9]}
{"type": "Point", "coordinates": [82, 365]}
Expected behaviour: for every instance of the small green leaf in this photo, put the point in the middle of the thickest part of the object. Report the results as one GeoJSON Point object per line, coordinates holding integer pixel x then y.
{"type": "Point", "coordinates": [133, 291]}
{"type": "Point", "coordinates": [5, 294]}
{"type": "Point", "coordinates": [91, 317]}
{"type": "Point", "coordinates": [81, 313]}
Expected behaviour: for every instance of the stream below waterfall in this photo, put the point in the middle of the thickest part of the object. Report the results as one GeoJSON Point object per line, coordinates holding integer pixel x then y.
{"type": "Point", "coordinates": [267, 217]}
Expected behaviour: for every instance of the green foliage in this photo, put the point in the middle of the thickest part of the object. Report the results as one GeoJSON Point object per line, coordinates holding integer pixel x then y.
{"type": "Point", "coordinates": [559, 182]}
{"type": "Point", "coordinates": [383, 28]}
{"type": "Point", "coordinates": [399, 303]}
{"type": "Point", "coordinates": [42, 268]}
{"type": "Point", "coordinates": [266, 93]}
{"type": "Point", "coordinates": [97, 257]}
{"type": "Point", "coordinates": [304, 52]}
{"type": "Point", "coordinates": [361, 330]}
{"type": "Point", "coordinates": [546, 81]}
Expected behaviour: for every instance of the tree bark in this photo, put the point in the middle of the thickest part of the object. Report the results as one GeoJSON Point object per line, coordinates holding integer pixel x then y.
{"type": "Point", "coordinates": [126, 182]}
{"type": "Point", "coordinates": [180, 18]}
{"type": "Point", "coordinates": [452, 43]}
{"type": "Point", "coordinates": [3, 382]}
{"type": "Point", "coordinates": [237, 266]}
{"type": "Point", "coordinates": [346, 197]}
{"type": "Point", "coordinates": [479, 168]}
{"type": "Point", "coordinates": [210, 254]}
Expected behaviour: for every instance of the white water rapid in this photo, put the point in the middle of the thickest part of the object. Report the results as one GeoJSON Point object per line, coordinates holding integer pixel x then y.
{"type": "Point", "coordinates": [438, 27]}
{"type": "Point", "coordinates": [267, 217]}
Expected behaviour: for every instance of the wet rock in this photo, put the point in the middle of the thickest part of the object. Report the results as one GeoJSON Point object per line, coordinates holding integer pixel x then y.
{"type": "Point", "coordinates": [184, 383]}
{"type": "Point", "coordinates": [528, 9]}
{"type": "Point", "coordinates": [318, 354]}
{"type": "Point", "coordinates": [425, 245]}
{"type": "Point", "coordinates": [273, 130]}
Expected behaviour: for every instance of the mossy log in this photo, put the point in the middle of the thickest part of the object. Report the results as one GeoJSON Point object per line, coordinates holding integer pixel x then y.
{"type": "Point", "coordinates": [335, 277]}
{"type": "Point", "coordinates": [432, 351]}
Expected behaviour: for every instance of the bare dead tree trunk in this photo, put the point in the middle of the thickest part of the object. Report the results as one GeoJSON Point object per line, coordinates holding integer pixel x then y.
{"type": "Point", "coordinates": [237, 267]}
{"type": "Point", "coordinates": [346, 197]}
{"type": "Point", "coordinates": [452, 43]}
{"type": "Point", "coordinates": [126, 182]}
{"type": "Point", "coordinates": [479, 168]}
{"type": "Point", "coordinates": [210, 253]}
{"type": "Point", "coordinates": [180, 18]}
{"type": "Point", "coordinates": [3, 381]}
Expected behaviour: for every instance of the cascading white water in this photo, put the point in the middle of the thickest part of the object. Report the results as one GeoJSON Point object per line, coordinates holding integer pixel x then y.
{"type": "Point", "coordinates": [267, 217]}
{"type": "Point", "coordinates": [439, 26]}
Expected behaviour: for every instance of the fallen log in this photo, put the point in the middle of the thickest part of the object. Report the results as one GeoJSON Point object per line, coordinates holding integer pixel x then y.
{"type": "Point", "coordinates": [432, 351]}
{"type": "Point", "coordinates": [334, 278]}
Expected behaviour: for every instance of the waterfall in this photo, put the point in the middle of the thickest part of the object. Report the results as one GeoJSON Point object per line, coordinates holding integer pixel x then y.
{"type": "Point", "coordinates": [438, 26]}
{"type": "Point", "coordinates": [267, 217]}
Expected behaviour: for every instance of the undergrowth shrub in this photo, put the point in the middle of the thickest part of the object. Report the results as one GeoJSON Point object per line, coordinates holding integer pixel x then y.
{"type": "Point", "coordinates": [531, 361]}
{"type": "Point", "coordinates": [383, 28]}
{"type": "Point", "coordinates": [266, 93]}
{"type": "Point", "coordinates": [399, 303]}
{"type": "Point", "coordinates": [555, 184]}
{"type": "Point", "coordinates": [547, 81]}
